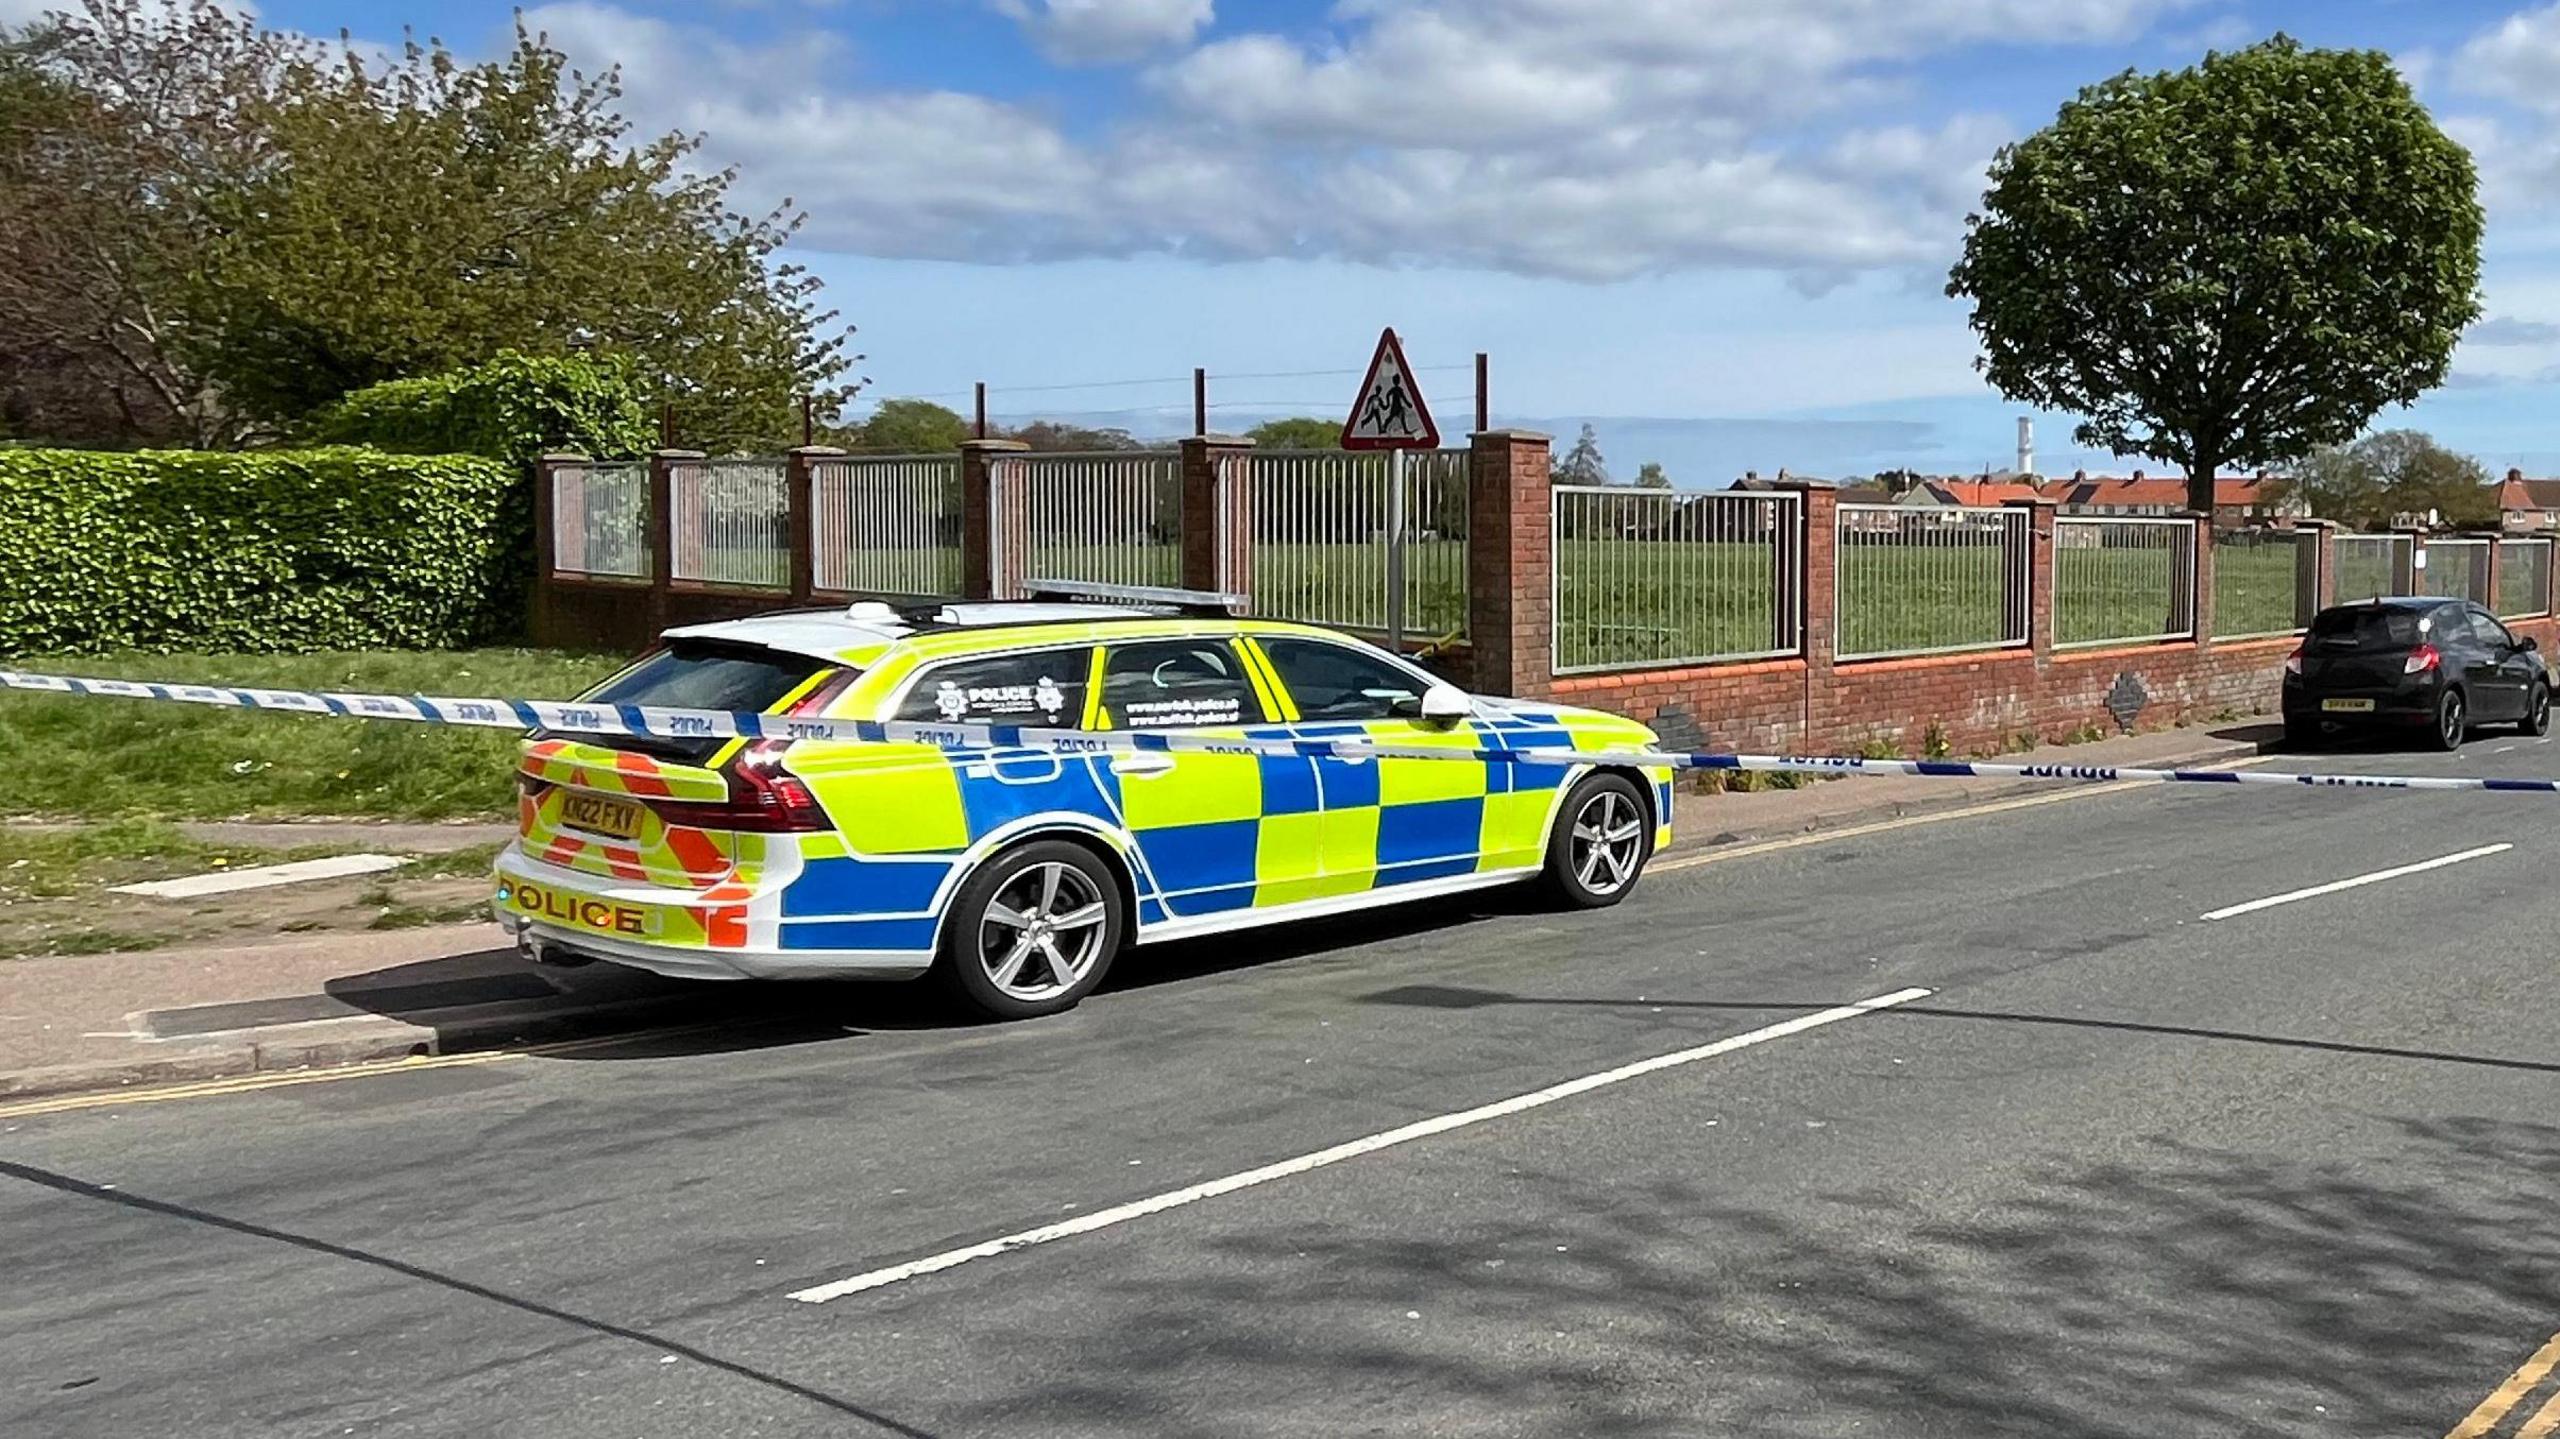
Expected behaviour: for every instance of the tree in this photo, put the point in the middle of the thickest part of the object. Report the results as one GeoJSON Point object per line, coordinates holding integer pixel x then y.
{"type": "Point", "coordinates": [1300, 433]}
{"type": "Point", "coordinates": [1582, 464]}
{"type": "Point", "coordinates": [906, 427]}
{"type": "Point", "coordinates": [2228, 264]}
{"type": "Point", "coordinates": [1649, 476]}
{"type": "Point", "coordinates": [1057, 435]}
{"type": "Point", "coordinates": [269, 223]}
{"type": "Point", "coordinates": [2397, 472]}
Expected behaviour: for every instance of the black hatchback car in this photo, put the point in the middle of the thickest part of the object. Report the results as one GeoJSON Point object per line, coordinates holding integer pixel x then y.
{"type": "Point", "coordinates": [2436, 665]}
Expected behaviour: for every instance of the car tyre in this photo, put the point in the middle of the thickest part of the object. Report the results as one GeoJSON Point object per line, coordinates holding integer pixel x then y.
{"type": "Point", "coordinates": [1032, 931]}
{"type": "Point", "coordinates": [2537, 711]}
{"type": "Point", "coordinates": [1603, 836]}
{"type": "Point", "coordinates": [2453, 720]}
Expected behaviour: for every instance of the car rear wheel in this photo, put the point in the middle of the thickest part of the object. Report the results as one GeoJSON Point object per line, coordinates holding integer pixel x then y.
{"type": "Point", "coordinates": [1033, 931]}
{"type": "Point", "coordinates": [2453, 720]}
{"type": "Point", "coordinates": [1601, 842]}
{"type": "Point", "coordinates": [2537, 710]}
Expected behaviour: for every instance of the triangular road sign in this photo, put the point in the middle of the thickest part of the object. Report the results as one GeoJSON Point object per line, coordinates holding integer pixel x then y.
{"type": "Point", "coordinates": [1389, 413]}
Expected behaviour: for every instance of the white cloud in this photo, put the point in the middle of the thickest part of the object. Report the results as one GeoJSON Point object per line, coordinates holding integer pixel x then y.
{"type": "Point", "coordinates": [2507, 330]}
{"type": "Point", "coordinates": [1590, 139]}
{"type": "Point", "coordinates": [1108, 32]}
{"type": "Point", "coordinates": [2516, 60]}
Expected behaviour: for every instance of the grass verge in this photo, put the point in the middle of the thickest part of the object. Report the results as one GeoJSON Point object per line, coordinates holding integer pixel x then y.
{"type": "Point", "coordinates": [109, 758]}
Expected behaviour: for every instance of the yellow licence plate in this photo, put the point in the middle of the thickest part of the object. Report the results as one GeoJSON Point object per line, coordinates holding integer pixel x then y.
{"type": "Point", "coordinates": [601, 814]}
{"type": "Point", "coordinates": [2347, 707]}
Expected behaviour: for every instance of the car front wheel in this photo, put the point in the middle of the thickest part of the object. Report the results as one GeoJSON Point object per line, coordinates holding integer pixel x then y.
{"type": "Point", "coordinates": [2453, 720]}
{"type": "Point", "coordinates": [2537, 710]}
{"type": "Point", "coordinates": [1033, 931]}
{"type": "Point", "coordinates": [1601, 842]}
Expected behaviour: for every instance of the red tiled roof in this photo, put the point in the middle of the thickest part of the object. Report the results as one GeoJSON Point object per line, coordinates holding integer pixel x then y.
{"type": "Point", "coordinates": [2516, 492]}
{"type": "Point", "coordinates": [1983, 492]}
{"type": "Point", "coordinates": [2168, 491]}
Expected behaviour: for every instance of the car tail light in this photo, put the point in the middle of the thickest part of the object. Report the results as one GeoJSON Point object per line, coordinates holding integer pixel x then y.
{"type": "Point", "coordinates": [2421, 660]}
{"type": "Point", "coordinates": [2293, 662]}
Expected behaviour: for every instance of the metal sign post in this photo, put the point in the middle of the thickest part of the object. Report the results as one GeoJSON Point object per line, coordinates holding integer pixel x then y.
{"type": "Point", "coordinates": [1395, 550]}
{"type": "Point", "coordinates": [1390, 414]}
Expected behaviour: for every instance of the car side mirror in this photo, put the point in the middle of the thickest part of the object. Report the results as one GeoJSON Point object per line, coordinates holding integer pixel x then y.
{"type": "Point", "coordinates": [1446, 704]}
{"type": "Point", "coordinates": [2527, 645]}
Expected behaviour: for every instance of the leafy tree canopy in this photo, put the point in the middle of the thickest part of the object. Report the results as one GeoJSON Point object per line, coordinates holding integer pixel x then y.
{"type": "Point", "coordinates": [906, 427]}
{"type": "Point", "coordinates": [1303, 432]}
{"type": "Point", "coordinates": [1649, 476]}
{"type": "Point", "coordinates": [238, 226]}
{"type": "Point", "coordinates": [2383, 476]}
{"type": "Point", "coordinates": [2228, 264]}
{"type": "Point", "coordinates": [1582, 465]}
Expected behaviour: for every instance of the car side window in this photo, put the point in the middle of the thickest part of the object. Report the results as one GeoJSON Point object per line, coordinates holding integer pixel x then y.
{"type": "Point", "coordinates": [1335, 682]}
{"type": "Point", "coordinates": [1042, 688]}
{"type": "Point", "coordinates": [1177, 684]}
{"type": "Point", "coordinates": [2491, 634]}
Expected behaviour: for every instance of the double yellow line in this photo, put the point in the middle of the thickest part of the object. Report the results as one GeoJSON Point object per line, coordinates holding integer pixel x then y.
{"type": "Point", "coordinates": [2494, 1409]}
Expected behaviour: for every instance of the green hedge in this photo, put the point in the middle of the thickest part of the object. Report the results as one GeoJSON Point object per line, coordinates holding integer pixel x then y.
{"type": "Point", "coordinates": [515, 407]}
{"type": "Point", "coordinates": [269, 551]}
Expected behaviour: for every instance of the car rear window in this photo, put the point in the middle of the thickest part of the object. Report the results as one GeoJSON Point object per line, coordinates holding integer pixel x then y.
{"type": "Point", "coordinates": [737, 679]}
{"type": "Point", "coordinates": [2365, 629]}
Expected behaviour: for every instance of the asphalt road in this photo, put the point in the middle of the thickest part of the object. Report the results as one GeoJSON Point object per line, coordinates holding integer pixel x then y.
{"type": "Point", "coordinates": [2122, 1171]}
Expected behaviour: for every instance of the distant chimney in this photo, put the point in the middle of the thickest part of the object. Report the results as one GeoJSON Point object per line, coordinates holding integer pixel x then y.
{"type": "Point", "coordinates": [2026, 445]}
{"type": "Point", "coordinates": [2515, 476]}
{"type": "Point", "coordinates": [2137, 477]}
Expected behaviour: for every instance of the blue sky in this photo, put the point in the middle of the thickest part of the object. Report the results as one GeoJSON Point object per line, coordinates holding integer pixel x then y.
{"type": "Point", "coordinates": [1716, 229]}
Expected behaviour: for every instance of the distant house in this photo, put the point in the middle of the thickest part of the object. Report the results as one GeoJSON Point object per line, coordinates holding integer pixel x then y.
{"type": "Point", "coordinates": [2528, 504]}
{"type": "Point", "coordinates": [1983, 494]}
{"type": "Point", "coordinates": [2238, 500]}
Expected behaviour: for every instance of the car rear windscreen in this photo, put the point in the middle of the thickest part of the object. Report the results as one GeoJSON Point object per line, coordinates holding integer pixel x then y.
{"type": "Point", "coordinates": [737, 679]}
{"type": "Point", "coordinates": [2365, 629]}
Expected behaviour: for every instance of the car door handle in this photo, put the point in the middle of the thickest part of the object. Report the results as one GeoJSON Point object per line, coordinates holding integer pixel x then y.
{"type": "Point", "coordinates": [1144, 765]}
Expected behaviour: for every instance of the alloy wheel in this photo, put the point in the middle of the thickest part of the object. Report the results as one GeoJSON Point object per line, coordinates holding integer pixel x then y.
{"type": "Point", "coordinates": [1608, 842]}
{"type": "Point", "coordinates": [1042, 931]}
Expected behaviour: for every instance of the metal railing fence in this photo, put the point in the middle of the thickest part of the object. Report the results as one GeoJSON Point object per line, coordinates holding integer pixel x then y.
{"type": "Point", "coordinates": [600, 520]}
{"type": "Point", "coordinates": [731, 523]}
{"type": "Point", "coordinates": [2369, 566]}
{"type": "Point", "coordinates": [2524, 578]}
{"type": "Point", "coordinates": [1911, 581]}
{"type": "Point", "coordinates": [2457, 569]}
{"type": "Point", "coordinates": [1319, 546]}
{"type": "Point", "coordinates": [1652, 577]}
{"type": "Point", "coordinates": [2265, 582]}
{"type": "Point", "coordinates": [1109, 518]}
{"type": "Point", "coordinates": [2123, 581]}
{"type": "Point", "coordinates": [885, 524]}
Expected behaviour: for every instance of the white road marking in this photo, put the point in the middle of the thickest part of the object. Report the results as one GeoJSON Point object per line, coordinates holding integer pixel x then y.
{"type": "Point", "coordinates": [1370, 1144]}
{"type": "Point", "coordinates": [264, 876]}
{"type": "Point", "coordinates": [2377, 877]}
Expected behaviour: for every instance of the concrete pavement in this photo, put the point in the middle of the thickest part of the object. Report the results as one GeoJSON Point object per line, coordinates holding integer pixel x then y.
{"type": "Point", "coordinates": [2124, 1171]}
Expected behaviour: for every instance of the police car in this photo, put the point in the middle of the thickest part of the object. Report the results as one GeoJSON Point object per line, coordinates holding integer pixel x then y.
{"type": "Point", "coordinates": [1017, 875]}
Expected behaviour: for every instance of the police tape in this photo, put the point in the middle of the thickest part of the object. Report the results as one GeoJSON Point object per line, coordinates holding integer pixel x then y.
{"type": "Point", "coordinates": [590, 718]}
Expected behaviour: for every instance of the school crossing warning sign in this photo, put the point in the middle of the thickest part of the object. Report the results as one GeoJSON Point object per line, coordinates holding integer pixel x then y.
{"type": "Point", "coordinates": [1389, 413]}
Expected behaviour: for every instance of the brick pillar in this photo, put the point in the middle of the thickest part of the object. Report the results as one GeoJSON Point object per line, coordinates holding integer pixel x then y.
{"type": "Point", "coordinates": [1817, 600]}
{"type": "Point", "coordinates": [2315, 568]}
{"type": "Point", "coordinates": [2038, 576]}
{"type": "Point", "coordinates": [799, 498]}
{"type": "Point", "coordinates": [1511, 562]}
{"type": "Point", "coordinates": [2407, 580]}
{"type": "Point", "coordinates": [2199, 580]}
{"type": "Point", "coordinates": [661, 531]}
{"type": "Point", "coordinates": [979, 523]}
{"type": "Point", "coordinates": [1217, 514]}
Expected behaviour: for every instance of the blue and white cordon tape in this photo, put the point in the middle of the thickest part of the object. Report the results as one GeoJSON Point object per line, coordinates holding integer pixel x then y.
{"type": "Point", "coordinates": [571, 717]}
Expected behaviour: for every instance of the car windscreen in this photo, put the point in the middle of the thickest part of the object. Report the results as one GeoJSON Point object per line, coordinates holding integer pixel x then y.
{"type": "Point", "coordinates": [736, 679]}
{"type": "Point", "coordinates": [2365, 629]}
